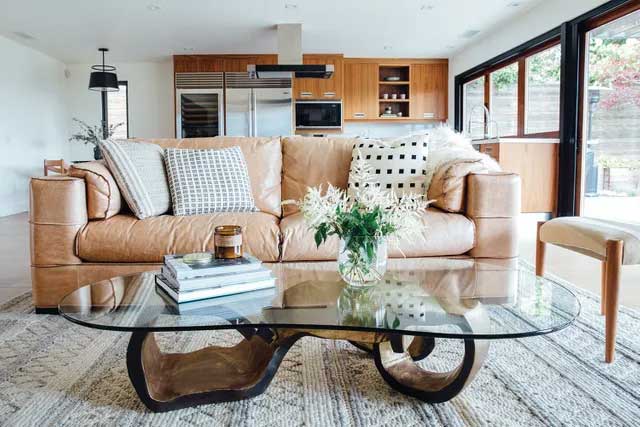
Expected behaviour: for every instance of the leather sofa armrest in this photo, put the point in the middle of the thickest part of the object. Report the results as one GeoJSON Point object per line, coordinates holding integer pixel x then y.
{"type": "Point", "coordinates": [57, 212]}
{"type": "Point", "coordinates": [448, 184]}
{"type": "Point", "coordinates": [493, 203]}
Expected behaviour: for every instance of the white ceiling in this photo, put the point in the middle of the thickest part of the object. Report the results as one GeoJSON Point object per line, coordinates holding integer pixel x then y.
{"type": "Point", "coordinates": [149, 30]}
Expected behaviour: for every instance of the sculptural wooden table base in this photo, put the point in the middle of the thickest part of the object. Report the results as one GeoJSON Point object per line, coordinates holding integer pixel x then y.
{"type": "Point", "coordinates": [399, 321]}
{"type": "Point", "coordinates": [169, 381]}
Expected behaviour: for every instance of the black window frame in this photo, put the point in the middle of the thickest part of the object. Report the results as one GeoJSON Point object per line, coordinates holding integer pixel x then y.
{"type": "Point", "coordinates": [105, 105]}
{"type": "Point", "coordinates": [571, 34]}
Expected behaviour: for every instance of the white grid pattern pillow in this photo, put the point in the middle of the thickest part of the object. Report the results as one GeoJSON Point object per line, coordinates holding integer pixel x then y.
{"type": "Point", "coordinates": [208, 181]}
{"type": "Point", "coordinates": [399, 167]}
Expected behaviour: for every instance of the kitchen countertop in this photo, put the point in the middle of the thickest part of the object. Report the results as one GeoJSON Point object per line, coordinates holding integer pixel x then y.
{"type": "Point", "coordinates": [516, 141]}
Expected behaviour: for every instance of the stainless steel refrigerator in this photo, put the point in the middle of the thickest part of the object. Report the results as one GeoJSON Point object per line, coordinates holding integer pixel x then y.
{"type": "Point", "coordinates": [262, 107]}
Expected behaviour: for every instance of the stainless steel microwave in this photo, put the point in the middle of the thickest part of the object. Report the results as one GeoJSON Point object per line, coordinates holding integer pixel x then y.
{"type": "Point", "coordinates": [318, 114]}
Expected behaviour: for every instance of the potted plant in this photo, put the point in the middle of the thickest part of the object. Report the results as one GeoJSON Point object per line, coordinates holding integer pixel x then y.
{"type": "Point", "coordinates": [93, 135]}
{"type": "Point", "coordinates": [363, 220]}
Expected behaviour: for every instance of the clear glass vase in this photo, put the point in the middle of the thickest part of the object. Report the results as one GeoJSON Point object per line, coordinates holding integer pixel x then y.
{"type": "Point", "coordinates": [362, 262]}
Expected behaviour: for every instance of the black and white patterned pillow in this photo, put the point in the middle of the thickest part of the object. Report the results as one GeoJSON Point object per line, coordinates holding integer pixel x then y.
{"type": "Point", "coordinates": [208, 181]}
{"type": "Point", "coordinates": [399, 166]}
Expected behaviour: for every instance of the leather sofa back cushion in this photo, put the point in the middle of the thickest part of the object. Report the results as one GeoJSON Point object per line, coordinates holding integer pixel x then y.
{"type": "Point", "coordinates": [103, 196]}
{"type": "Point", "coordinates": [309, 162]}
{"type": "Point", "coordinates": [448, 184]}
{"type": "Point", "coordinates": [263, 157]}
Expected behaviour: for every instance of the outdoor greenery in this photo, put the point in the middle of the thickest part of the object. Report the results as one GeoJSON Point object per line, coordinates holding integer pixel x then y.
{"type": "Point", "coordinates": [612, 162]}
{"type": "Point", "coordinates": [613, 64]}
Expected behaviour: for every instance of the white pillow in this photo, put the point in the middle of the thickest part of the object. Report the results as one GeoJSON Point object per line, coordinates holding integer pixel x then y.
{"type": "Point", "coordinates": [208, 181]}
{"type": "Point", "coordinates": [399, 167]}
{"type": "Point", "coordinates": [138, 168]}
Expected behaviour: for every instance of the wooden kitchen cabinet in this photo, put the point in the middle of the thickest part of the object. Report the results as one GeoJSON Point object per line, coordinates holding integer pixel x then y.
{"type": "Point", "coordinates": [330, 88]}
{"type": "Point", "coordinates": [216, 63]}
{"type": "Point", "coordinates": [537, 165]}
{"type": "Point", "coordinates": [239, 63]}
{"type": "Point", "coordinates": [197, 63]}
{"type": "Point", "coordinates": [360, 91]}
{"type": "Point", "coordinates": [429, 91]}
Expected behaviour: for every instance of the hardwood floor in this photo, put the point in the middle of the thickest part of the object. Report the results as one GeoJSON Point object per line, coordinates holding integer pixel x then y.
{"type": "Point", "coordinates": [583, 271]}
{"type": "Point", "coordinates": [15, 275]}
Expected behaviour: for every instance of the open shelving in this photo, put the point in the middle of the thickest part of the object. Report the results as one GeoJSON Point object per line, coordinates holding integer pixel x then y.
{"type": "Point", "coordinates": [394, 87]}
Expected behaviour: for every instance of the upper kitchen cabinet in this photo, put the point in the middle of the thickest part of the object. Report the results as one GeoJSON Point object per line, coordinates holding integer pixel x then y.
{"type": "Point", "coordinates": [395, 89]}
{"type": "Point", "coordinates": [429, 92]}
{"type": "Point", "coordinates": [214, 63]}
{"type": "Point", "coordinates": [360, 90]}
{"type": "Point", "coordinates": [239, 63]}
{"type": "Point", "coordinates": [197, 63]}
{"type": "Point", "coordinates": [331, 88]}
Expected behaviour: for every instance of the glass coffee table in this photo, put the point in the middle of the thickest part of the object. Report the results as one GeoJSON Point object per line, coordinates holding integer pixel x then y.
{"type": "Point", "coordinates": [399, 321]}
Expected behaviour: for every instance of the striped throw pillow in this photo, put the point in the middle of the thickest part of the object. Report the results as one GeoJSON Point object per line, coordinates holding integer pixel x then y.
{"type": "Point", "coordinates": [208, 181]}
{"type": "Point", "coordinates": [138, 168]}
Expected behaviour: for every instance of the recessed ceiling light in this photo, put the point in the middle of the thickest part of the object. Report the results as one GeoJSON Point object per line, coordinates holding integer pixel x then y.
{"type": "Point", "coordinates": [426, 7]}
{"type": "Point", "coordinates": [23, 36]}
{"type": "Point", "coordinates": [290, 6]}
{"type": "Point", "coordinates": [470, 33]}
{"type": "Point", "coordinates": [153, 7]}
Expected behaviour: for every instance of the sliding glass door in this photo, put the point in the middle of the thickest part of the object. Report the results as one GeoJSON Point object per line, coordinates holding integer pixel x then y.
{"type": "Point", "coordinates": [611, 121]}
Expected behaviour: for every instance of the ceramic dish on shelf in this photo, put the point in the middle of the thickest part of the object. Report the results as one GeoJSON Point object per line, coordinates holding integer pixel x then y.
{"type": "Point", "coordinates": [392, 79]}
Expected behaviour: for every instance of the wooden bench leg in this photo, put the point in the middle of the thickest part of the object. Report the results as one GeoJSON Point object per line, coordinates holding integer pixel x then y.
{"type": "Point", "coordinates": [613, 263]}
{"type": "Point", "coordinates": [603, 289]}
{"type": "Point", "coordinates": [540, 251]}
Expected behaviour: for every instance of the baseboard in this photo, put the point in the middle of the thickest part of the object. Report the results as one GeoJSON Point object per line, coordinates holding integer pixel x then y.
{"type": "Point", "coordinates": [47, 310]}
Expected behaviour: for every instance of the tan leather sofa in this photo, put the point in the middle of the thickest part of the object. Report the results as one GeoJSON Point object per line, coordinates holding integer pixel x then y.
{"type": "Point", "coordinates": [82, 231]}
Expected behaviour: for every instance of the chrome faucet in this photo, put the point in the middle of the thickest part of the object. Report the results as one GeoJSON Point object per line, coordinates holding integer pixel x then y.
{"type": "Point", "coordinates": [486, 123]}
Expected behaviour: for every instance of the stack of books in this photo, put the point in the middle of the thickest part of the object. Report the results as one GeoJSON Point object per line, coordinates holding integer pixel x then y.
{"type": "Point", "coordinates": [186, 283]}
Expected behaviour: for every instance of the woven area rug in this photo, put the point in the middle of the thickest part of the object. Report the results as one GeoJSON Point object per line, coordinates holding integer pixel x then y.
{"type": "Point", "coordinates": [54, 373]}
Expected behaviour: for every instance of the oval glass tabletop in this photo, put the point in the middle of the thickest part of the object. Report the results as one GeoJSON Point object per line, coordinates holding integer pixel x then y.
{"type": "Point", "coordinates": [437, 297]}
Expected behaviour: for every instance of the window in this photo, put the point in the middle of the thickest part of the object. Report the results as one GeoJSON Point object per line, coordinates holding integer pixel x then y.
{"type": "Point", "coordinates": [473, 111]}
{"type": "Point", "coordinates": [118, 110]}
{"type": "Point", "coordinates": [523, 98]}
{"type": "Point", "coordinates": [503, 100]}
{"type": "Point", "coordinates": [542, 107]}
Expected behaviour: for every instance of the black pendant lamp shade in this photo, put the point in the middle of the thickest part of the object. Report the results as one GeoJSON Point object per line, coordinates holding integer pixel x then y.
{"type": "Point", "coordinates": [103, 78]}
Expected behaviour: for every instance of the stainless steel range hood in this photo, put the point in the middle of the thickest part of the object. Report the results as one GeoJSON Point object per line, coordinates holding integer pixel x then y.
{"type": "Point", "coordinates": [290, 59]}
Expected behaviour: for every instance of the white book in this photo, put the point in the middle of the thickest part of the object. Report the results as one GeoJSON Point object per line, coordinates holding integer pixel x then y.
{"type": "Point", "coordinates": [216, 266]}
{"type": "Point", "coordinates": [225, 306]}
{"type": "Point", "coordinates": [186, 285]}
{"type": "Point", "coordinates": [181, 297]}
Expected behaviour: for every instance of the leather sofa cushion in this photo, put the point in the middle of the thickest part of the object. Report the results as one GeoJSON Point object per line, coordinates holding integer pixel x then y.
{"type": "Point", "coordinates": [448, 185]}
{"type": "Point", "coordinates": [124, 238]}
{"type": "Point", "coordinates": [263, 157]}
{"type": "Point", "coordinates": [103, 195]}
{"type": "Point", "coordinates": [445, 234]}
{"type": "Point", "coordinates": [311, 161]}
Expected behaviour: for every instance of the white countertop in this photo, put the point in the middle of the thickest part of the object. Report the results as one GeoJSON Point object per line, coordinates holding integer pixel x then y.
{"type": "Point", "coordinates": [516, 141]}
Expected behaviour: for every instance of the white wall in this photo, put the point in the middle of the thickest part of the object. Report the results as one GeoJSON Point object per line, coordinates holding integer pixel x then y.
{"type": "Point", "coordinates": [33, 120]}
{"type": "Point", "coordinates": [150, 101]}
{"type": "Point", "coordinates": [542, 18]}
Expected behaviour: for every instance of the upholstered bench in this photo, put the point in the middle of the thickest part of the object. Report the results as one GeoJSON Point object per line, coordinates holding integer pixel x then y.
{"type": "Point", "coordinates": [614, 243]}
